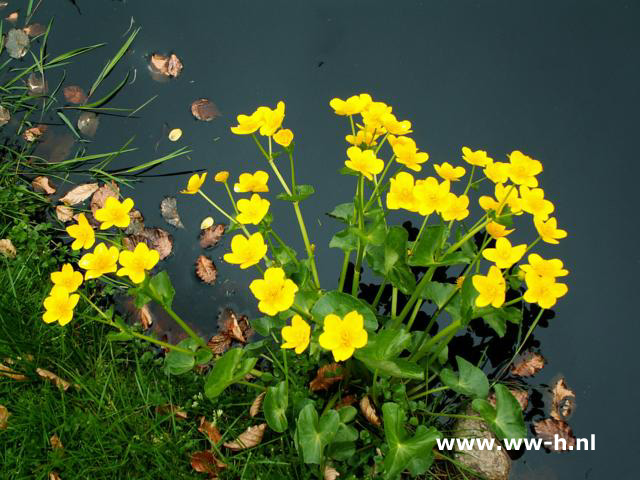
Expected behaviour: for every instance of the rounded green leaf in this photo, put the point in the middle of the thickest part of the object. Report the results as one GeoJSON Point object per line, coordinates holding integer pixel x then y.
{"type": "Point", "coordinates": [275, 407]}
{"type": "Point", "coordinates": [469, 381]}
{"type": "Point", "coordinates": [340, 304]}
{"type": "Point", "coordinates": [228, 369]}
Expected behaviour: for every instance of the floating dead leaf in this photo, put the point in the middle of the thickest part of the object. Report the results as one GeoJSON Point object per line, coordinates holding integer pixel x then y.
{"type": "Point", "coordinates": [235, 328]}
{"type": "Point", "coordinates": [251, 437]}
{"type": "Point", "coordinates": [345, 401]}
{"type": "Point", "coordinates": [74, 94]}
{"type": "Point", "coordinates": [12, 17]}
{"type": "Point", "coordinates": [34, 133]}
{"type": "Point", "coordinates": [169, 211]}
{"type": "Point", "coordinates": [330, 473]}
{"type": "Point", "coordinates": [101, 194]}
{"type": "Point", "coordinates": [36, 84]}
{"type": "Point", "coordinates": [55, 442]}
{"type": "Point", "coordinates": [563, 400]}
{"type": "Point", "coordinates": [5, 116]}
{"type": "Point", "coordinates": [79, 194]}
{"type": "Point", "coordinates": [55, 145]}
{"type": "Point", "coordinates": [88, 123]}
{"type": "Point", "coordinates": [169, 409]}
{"type": "Point", "coordinates": [210, 236]}
{"type": "Point", "coordinates": [64, 213]}
{"type": "Point", "coordinates": [175, 134]}
{"type": "Point", "coordinates": [327, 375]}
{"type": "Point", "coordinates": [3, 5]}
{"type": "Point", "coordinates": [4, 417]}
{"type": "Point", "coordinates": [43, 185]}
{"type": "Point", "coordinates": [528, 364]}
{"type": "Point", "coordinates": [206, 223]}
{"type": "Point", "coordinates": [204, 109]}
{"type": "Point", "coordinates": [206, 462]}
{"type": "Point", "coordinates": [159, 240]}
{"type": "Point", "coordinates": [17, 43]}
{"type": "Point", "coordinates": [8, 250]}
{"type": "Point", "coordinates": [210, 430]}
{"type": "Point", "coordinates": [257, 404]}
{"type": "Point", "coordinates": [136, 225]}
{"type": "Point", "coordinates": [144, 316]}
{"type": "Point", "coordinates": [54, 476]}
{"type": "Point", "coordinates": [369, 411]}
{"type": "Point", "coordinates": [522, 396]}
{"type": "Point", "coordinates": [206, 270]}
{"type": "Point", "coordinates": [34, 30]}
{"type": "Point", "coordinates": [170, 66]}
{"type": "Point", "coordinates": [218, 344]}
{"type": "Point", "coordinates": [52, 377]}
{"type": "Point", "coordinates": [547, 430]}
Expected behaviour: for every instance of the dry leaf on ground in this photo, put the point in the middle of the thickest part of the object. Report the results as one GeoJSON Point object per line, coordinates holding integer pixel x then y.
{"type": "Point", "coordinates": [528, 364]}
{"type": "Point", "coordinates": [327, 375]}
{"type": "Point", "coordinates": [369, 411]}
{"type": "Point", "coordinates": [47, 375]}
{"type": "Point", "coordinates": [74, 94]}
{"type": "Point", "coordinates": [237, 328]}
{"type": "Point", "coordinates": [251, 437]}
{"type": "Point", "coordinates": [54, 476]}
{"type": "Point", "coordinates": [206, 462]}
{"type": "Point", "coordinates": [257, 404]}
{"type": "Point", "coordinates": [563, 400]}
{"type": "Point", "coordinates": [64, 213]}
{"type": "Point", "coordinates": [17, 43]}
{"type": "Point", "coordinates": [143, 315]}
{"type": "Point", "coordinates": [345, 401]}
{"type": "Point", "coordinates": [172, 410]}
{"type": "Point", "coordinates": [43, 185]}
{"type": "Point", "coordinates": [209, 237]}
{"type": "Point", "coordinates": [79, 194]}
{"type": "Point", "coordinates": [204, 109]}
{"type": "Point", "coordinates": [55, 442]}
{"type": "Point", "coordinates": [210, 430]}
{"type": "Point", "coordinates": [7, 249]}
{"type": "Point", "coordinates": [170, 66]}
{"type": "Point", "coordinates": [4, 417]}
{"type": "Point", "coordinates": [34, 133]}
{"type": "Point", "coordinates": [88, 123]}
{"type": "Point", "coordinates": [548, 428]}
{"type": "Point", "coordinates": [101, 194]}
{"type": "Point", "coordinates": [169, 211]}
{"type": "Point", "coordinates": [330, 473]}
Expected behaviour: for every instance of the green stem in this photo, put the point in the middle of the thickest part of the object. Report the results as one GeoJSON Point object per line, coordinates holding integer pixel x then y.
{"type": "Point", "coordinates": [284, 246]}
{"type": "Point", "coordinates": [473, 169]}
{"type": "Point", "coordinates": [394, 302]}
{"type": "Point", "coordinates": [187, 329]}
{"type": "Point", "coordinates": [428, 392]}
{"type": "Point", "coordinates": [378, 183]}
{"type": "Point", "coordinates": [452, 328]}
{"type": "Point", "coordinates": [345, 267]}
{"type": "Point", "coordinates": [356, 273]}
{"type": "Point", "coordinates": [219, 209]}
{"type": "Point", "coordinates": [452, 415]}
{"type": "Point", "coordinates": [293, 172]}
{"type": "Point", "coordinates": [414, 314]}
{"type": "Point", "coordinates": [376, 300]}
{"type": "Point", "coordinates": [422, 227]}
{"type": "Point", "coordinates": [233, 203]}
{"type": "Point", "coordinates": [252, 385]}
{"type": "Point", "coordinates": [373, 386]}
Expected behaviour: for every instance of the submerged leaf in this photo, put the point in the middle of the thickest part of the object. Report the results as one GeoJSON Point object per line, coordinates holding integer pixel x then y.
{"type": "Point", "coordinates": [563, 400]}
{"type": "Point", "coordinates": [34, 29]}
{"type": "Point", "coordinates": [36, 84]}
{"type": "Point", "coordinates": [206, 270]}
{"type": "Point", "coordinates": [547, 430]}
{"type": "Point", "coordinates": [204, 109]}
{"type": "Point", "coordinates": [74, 94]}
{"type": "Point", "coordinates": [17, 43]}
{"type": "Point", "coordinates": [4, 417]}
{"type": "Point", "coordinates": [47, 375]}
{"type": "Point", "coordinates": [210, 236]}
{"type": "Point", "coordinates": [528, 364]}
{"type": "Point", "coordinates": [327, 375]}
{"type": "Point", "coordinates": [79, 194]}
{"type": "Point", "coordinates": [251, 437]}
{"type": "Point", "coordinates": [218, 344]}
{"type": "Point", "coordinates": [88, 123]}
{"type": "Point", "coordinates": [169, 211]}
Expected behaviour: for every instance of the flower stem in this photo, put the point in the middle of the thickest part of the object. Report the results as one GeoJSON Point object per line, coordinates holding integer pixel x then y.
{"type": "Point", "coordinates": [187, 329]}
{"type": "Point", "coordinates": [424, 224]}
{"type": "Point", "coordinates": [376, 300]}
{"type": "Point", "coordinates": [394, 302]}
{"type": "Point", "coordinates": [229, 217]}
{"type": "Point", "coordinates": [233, 203]}
{"type": "Point", "coordinates": [428, 392]}
{"type": "Point", "coordinates": [356, 273]}
{"type": "Point", "coordinates": [343, 273]}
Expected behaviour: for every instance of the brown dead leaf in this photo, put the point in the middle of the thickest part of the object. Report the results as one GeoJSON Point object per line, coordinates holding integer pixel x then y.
{"type": "Point", "coordinates": [204, 109]}
{"type": "Point", "coordinates": [79, 194]}
{"type": "Point", "coordinates": [209, 237]}
{"type": "Point", "coordinates": [34, 29]}
{"type": "Point", "coordinates": [43, 185]}
{"type": "Point", "coordinates": [75, 94]}
{"type": "Point", "coordinates": [47, 375]}
{"type": "Point", "coordinates": [230, 325]}
{"type": "Point", "coordinates": [6, 371]}
{"type": "Point", "coordinates": [172, 410]}
{"type": "Point", "coordinates": [7, 249]}
{"type": "Point", "coordinates": [3, 5]}
{"type": "Point", "coordinates": [206, 462]}
{"type": "Point", "coordinates": [64, 213]}
{"type": "Point", "coordinates": [88, 123]}
{"type": "Point", "coordinates": [327, 375]}
{"type": "Point", "coordinates": [55, 442]}
{"type": "Point", "coordinates": [169, 211]}
{"type": "Point", "coordinates": [563, 400]}
{"type": "Point", "coordinates": [548, 428]}
{"type": "Point", "coordinates": [12, 17]}
{"type": "Point", "coordinates": [528, 364]}
{"type": "Point", "coordinates": [5, 116]}
{"type": "Point", "coordinates": [257, 404]}
{"type": "Point", "coordinates": [144, 316]}
{"type": "Point", "coordinates": [369, 411]}
{"type": "Point", "coordinates": [155, 238]}
{"type": "Point", "coordinates": [101, 194]}
{"type": "Point", "coordinates": [251, 437]}
{"type": "Point", "coordinates": [345, 401]}
{"type": "Point", "coordinates": [54, 476]}
{"type": "Point", "coordinates": [136, 226]}
{"type": "Point", "coordinates": [210, 430]}
{"type": "Point", "coordinates": [218, 344]}
{"type": "Point", "coordinates": [34, 133]}
{"type": "Point", "coordinates": [4, 417]}
{"type": "Point", "coordinates": [330, 473]}
{"type": "Point", "coordinates": [522, 396]}
{"type": "Point", "coordinates": [170, 66]}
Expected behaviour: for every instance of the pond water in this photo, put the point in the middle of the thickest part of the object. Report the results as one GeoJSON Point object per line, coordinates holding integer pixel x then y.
{"type": "Point", "coordinates": [557, 80]}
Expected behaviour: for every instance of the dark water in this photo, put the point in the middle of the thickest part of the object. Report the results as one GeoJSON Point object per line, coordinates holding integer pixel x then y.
{"type": "Point", "coordinates": [556, 79]}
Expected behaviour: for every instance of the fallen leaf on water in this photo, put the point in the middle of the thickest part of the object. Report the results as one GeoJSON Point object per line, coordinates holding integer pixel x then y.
{"type": "Point", "coordinates": [79, 194]}
{"type": "Point", "coordinates": [5, 116]}
{"type": "Point", "coordinates": [175, 134]}
{"type": "Point", "coordinates": [257, 404]}
{"type": "Point", "coordinates": [330, 473]}
{"type": "Point", "coordinates": [522, 396]}
{"type": "Point", "coordinates": [4, 417]}
{"type": "Point", "coordinates": [235, 328]}
{"type": "Point", "coordinates": [36, 84]}
{"type": "Point", "coordinates": [64, 213]}
{"type": "Point", "coordinates": [56, 444]}
{"type": "Point", "coordinates": [210, 430]}
{"type": "Point", "coordinates": [54, 476]}
{"type": "Point", "coordinates": [74, 94]}
{"type": "Point", "coordinates": [369, 411]}
{"type": "Point", "coordinates": [528, 364]}
{"type": "Point", "coordinates": [206, 270]}
{"type": "Point", "coordinates": [43, 185]}
{"type": "Point", "coordinates": [210, 236]}
{"type": "Point", "coordinates": [172, 410]}
{"type": "Point", "coordinates": [251, 437]}
{"type": "Point", "coordinates": [8, 250]}
{"type": "Point", "coordinates": [3, 5]}
{"type": "Point", "coordinates": [88, 123]}
{"type": "Point", "coordinates": [170, 66]}
{"type": "Point", "coordinates": [327, 375]}
{"type": "Point", "coordinates": [169, 211]}
{"type": "Point", "coordinates": [548, 428]}
{"type": "Point", "coordinates": [136, 225]}
{"type": "Point", "coordinates": [155, 238]}
{"type": "Point", "coordinates": [204, 109]}
{"type": "Point", "coordinates": [12, 17]}
{"type": "Point", "coordinates": [563, 400]}
{"type": "Point", "coordinates": [34, 29]}
{"type": "Point", "coordinates": [34, 133]}
{"type": "Point", "coordinates": [17, 43]}
{"type": "Point", "coordinates": [206, 223]}
{"type": "Point", "coordinates": [100, 197]}
{"type": "Point", "coordinates": [218, 344]}
{"type": "Point", "coordinates": [47, 375]}
{"type": "Point", "coordinates": [206, 462]}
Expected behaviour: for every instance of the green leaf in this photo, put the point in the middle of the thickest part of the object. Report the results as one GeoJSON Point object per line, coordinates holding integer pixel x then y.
{"type": "Point", "coordinates": [228, 369]}
{"type": "Point", "coordinates": [160, 285]}
{"type": "Point", "coordinates": [275, 407]}
{"type": "Point", "coordinates": [423, 254]}
{"type": "Point", "coordinates": [382, 351]}
{"type": "Point", "coordinates": [469, 381]}
{"type": "Point", "coordinates": [389, 260]}
{"type": "Point", "coordinates": [497, 318]}
{"type": "Point", "coordinates": [263, 325]}
{"type": "Point", "coordinates": [203, 355]}
{"type": "Point", "coordinates": [314, 435]}
{"type": "Point", "coordinates": [346, 240]}
{"type": "Point", "coordinates": [438, 292]}
{"type": "Point", "coordinates": [506, 419]}
{"type": "Point", "coordinates": [343, 445]}
{"type": "Point", "coordinates": [300, 192]}
{"type": "Point", "coordinates": [119, 336]}
{"type": "Point", "coordinates": [343, 212]}
{"type": "Point", "coordinates": [342, 303]}
{"type": "Point", "coordinates": [177, 363]}
{"type": "Point", "coordinates": [458, 257]}
{"type": "Point", "coordinates": [415, 453]}
{"type": "Point", "coordinates": [462, 304]}
{"type": "Point", "coordinates": [347, 414]}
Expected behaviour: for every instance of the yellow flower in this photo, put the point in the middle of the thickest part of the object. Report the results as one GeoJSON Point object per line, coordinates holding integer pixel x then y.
{"type": "Point", "coordinates": [343, 336]}
{"type": "Point", "coordinates": [431, 195]}
{"type": "Point", "coordinates": [401, 193]}
{"type": "Point", "coordinates": [252, 211]}
{"type": "Point", "coordinates": [497, 230]}
{"type": "Point", "coordinates": [406, 152]}
{"type": "Point", "coordinates": [504, 255]}
{"type": "Point", "coordinates": [501, 192]}
{"type": "Point", "coordinates": [252, 182]}
{"type": "Point", "coordinates": [523, 169]}
{"type": "Point", "coordinates": [352, 105]}
{"type": "Point", "coordinates": [246, 251]}
{"type": "Point", "coordinates": [67, 278]}
{"type": "Point", "coordinates": [395, 127]}
{"type": "Point", "coordinates": [296, 335]}
{"type": "Point", "coordinates": [82, 233]}
{"type": "Point", "coordinates": [135, 263]}
{"type": "Point", "coordinates": [491, 288]}
{"type": "Point", "coordinates": [543, 290]}
{"type": "Point", "coordinates": [548, 230]}
{"type": "Point", "coordinates": [248, 124]}
{"type": "Point", "coordinates": [364, 162]}
{"type": "Point", "coordinates": [364, 136]}
{"type": "Point", "coordinates": [533, 202]}
{"type": "Point", "coordinates": [457, 208]}
{"type": "Point", "coordinates": [283, 137]}
{"type": "Point", "coordinates": [195, 183]}
{"type": "Point", "coordinates": [272, 120]}
{"type": "Point", "coordinates": [544, 268]}
{"type": "Point", "coordinates": [275, 292]}
{"type": "Point", "coordinates": [221, 176]}
{"type": "Point", "coordinates": [373, 113]}
{"type": "Point", "coordinates": [497, 172]}
{"type": "Point", "coordinates": [478, 158]}
{"type": "Point", "coordinates": [59, 306]}
{"type": "Point", "coordinates": [114, 213]}
{"type": "Point", "coordinates": [102, 260]}
{"type": "Point", "coordinates": [446, 171]}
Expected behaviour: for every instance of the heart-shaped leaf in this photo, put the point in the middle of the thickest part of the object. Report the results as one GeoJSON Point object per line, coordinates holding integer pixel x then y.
{"type": "Point", "coordinates": [227, 370]}
{"type": "Point", "coordinates": [506, 419]}
{"type": "Point", "coordinates": [469, 381]}
{"type": "Point", "coordinates": [313, 434]}
{"type": "Point", "coordinates": [275, 407]}
{"type": "Point", "coordinates": [340, 304]}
